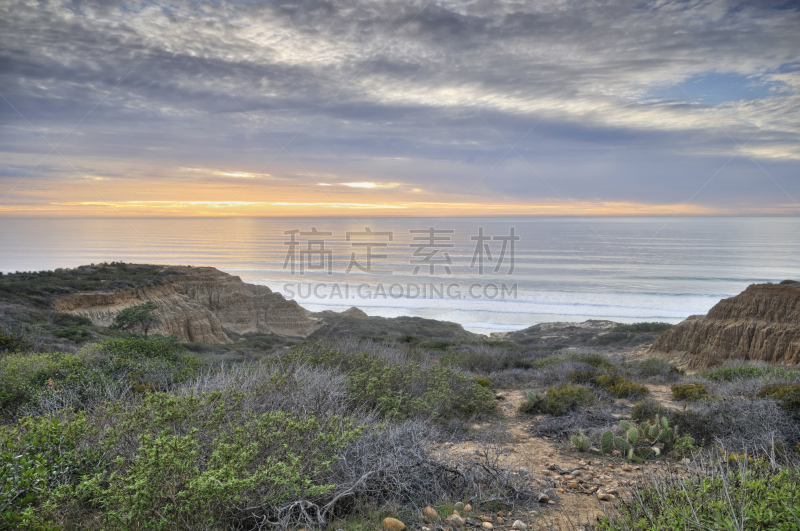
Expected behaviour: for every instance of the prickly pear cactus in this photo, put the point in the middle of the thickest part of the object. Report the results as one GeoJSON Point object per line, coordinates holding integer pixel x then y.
{"type": "Point", "coordinates": [607, 442]}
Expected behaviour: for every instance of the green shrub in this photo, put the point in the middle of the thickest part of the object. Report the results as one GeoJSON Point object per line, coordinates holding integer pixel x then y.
{"type": "Point", "coordinates": [598, 361]}
{"type": "Point", "coordinates": [483, 362]}
{"type": "Point", "coordinates": [164, 348]}
{"type": "Point", "coordinates": [642, 327]}
{"type": "Point", "coordinates": [752, 497]}
{"type": "Point", "coordinates": [23, 376]}
{"type": "Point", "coordinates": [78, 335]}
{"type": "Point", "coordinates": [657, 367]}
{"type": "Point", "coordinates": [68, 319]}
{"type": "Point", "coordinates": [483, 382]}
{"type": "Point", "coordinates": [582, 377]}
{"type": "Point", "coordinates": [206, 460]}
{"type": "Point", "coordinates": [646, 440]}
{"type": "Point", "coordinates": [620, 387]}
{"type": "Point", "coordinates": [559, 400]}
{"type": "Point", "coordinates": [402, 390]}
{"type": "Point", "coordinates": [690, 392]}
{"type": "Point", "coordinates": [787, 394]}
{"type": "Point", "coordinates": [14, 342]}
{"type": "Point", "coordinates": [37, 456]}
{"type": "Point", "coordinates": [647, 410]}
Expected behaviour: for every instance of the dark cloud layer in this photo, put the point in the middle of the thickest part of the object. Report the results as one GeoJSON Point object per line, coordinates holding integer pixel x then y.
{"type": "Point", "coordinates": [594, 97]}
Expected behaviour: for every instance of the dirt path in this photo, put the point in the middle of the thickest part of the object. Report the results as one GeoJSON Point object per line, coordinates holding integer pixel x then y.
{"type": "Point", "coordinates": [537, 459]}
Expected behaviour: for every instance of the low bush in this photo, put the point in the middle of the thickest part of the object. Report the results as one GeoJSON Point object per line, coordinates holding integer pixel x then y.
{"type": "Point", "coordinates": [647, 410]}
{"type": "Point", "coordinates": [557, 401]}
{"type": "Point", "coordinates": [68, 319]}
{"type": "Point", "coordinates": [38, 382]}
{"type": "Point", "coordinates": [485, 360]}
{"type": "Point", "coordinates": [643, 327]}
{"type": "Point", "coordinates": [598, 361]}
{"type": "Point", "coordinates": [389, 382]}
{"type": "Point", "coordinates": [739, 425]}
{"type": "Point", "coordinates": [690, 392]}
{"type": "Point", "coordinates": [620, 387]}
{"type": "Point", "coordinates": [719, 495]}
{"type": "Point", "coordinates": [78, 335]}
{"type": "Point", "coordinates": [646, 440]}
{"type": "Point", "coordinates": [11, 341]}
{"type": "Point", "coordinates": [787, 394]}
{"type": "Point", "coordinates": [656, 369]}
{"type": "Point", "coordinates": [747, 371]}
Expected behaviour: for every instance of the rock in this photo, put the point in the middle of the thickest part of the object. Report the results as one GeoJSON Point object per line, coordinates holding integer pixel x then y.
{"type": "Point", "coordinates": [761, 323]}
{"type": "Point", "coordinates": [574, 486]}
{"type": "Point", "coordinates": [430, 512]}
{"type": "Point", "coordinates": [519, 525]}
{"type": "Point", "coordinates": [523, 471]}
{"type": "Point", "coordinates": [686, 461]}
{"type": "Point", "coordinates": [603, 496]}
{"type": "Point", "coordinates": [560, 490]}
{"type": "Point", "coordinates": [627, 468]}
{"type": "Point", "coordinates": [426, 528]}
{"type": "Point", "coordinates": [500, 520]}
{"type": "Point", "coordinates": [393, 524]}
{"type": "Point", "coordinates": [454, 520]}
{"type": "Point", "coordinates": [467, 508]}
{"type": "Point", "coordinates": [487, 525]}
{"type": "Point", "coordinates": [456, 513]}
{"type": "Point", "coordinates": [551, 502]}
{"type": "Point", "coordinates": [500, 396]}
{"type": "Point", "coordinates": [484, 518]}
{"type": "Point", "coordinates": [459, 506]}
{"type": "Point", "coordinates": [543, 498]}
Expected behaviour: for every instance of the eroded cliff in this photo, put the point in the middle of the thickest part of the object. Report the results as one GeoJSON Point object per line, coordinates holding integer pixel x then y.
{"type": "Point", "coordinates": [761, 323]}
{"type": "Point", "coordinates": [199, 304]}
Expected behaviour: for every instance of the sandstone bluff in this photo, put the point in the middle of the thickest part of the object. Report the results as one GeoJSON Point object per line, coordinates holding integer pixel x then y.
{"type": "Point", "coordinates": [761, 323]}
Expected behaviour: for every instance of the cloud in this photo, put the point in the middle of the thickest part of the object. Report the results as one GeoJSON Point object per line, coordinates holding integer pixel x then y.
{"type": "Point", "coordinates": [557, 100]}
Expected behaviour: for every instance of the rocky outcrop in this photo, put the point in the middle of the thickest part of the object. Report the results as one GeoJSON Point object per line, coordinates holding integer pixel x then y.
{"type": "Point", "coordinates": [199, 304]}
{"type": "Point", "coordinates": [761, 323]}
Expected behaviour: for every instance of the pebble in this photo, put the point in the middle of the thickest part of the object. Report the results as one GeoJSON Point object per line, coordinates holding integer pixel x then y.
{"type": "Point", "coordinates": [487, 525]}
{"type": "Point", "coordinates": [454, 520]}
{"type": "Point", "coordinates": [393, 524]}
{"type": "Point", "coordinates": [523, 471]}
{"type": "Point", "coordinates": [627, 468]}
{"type": "Point", "coordinates": [456, 513]}
{"type": "Point", "coordinates": [574, 485]}
{"type": "Point", "coordinates": [604, 497]}
{"type": "Point", "coordinates": [551, 502]}
{"type": "Point", "coordinates": [500, 520]}
{"type": "Point", "coordinates": [459, 506]}
{"type": "Point", "coordinates": [543, 498]}
{"type": "Point", "coordinates": [519, 525]}
{"type": "Point", "coordinates": [485, 518]}
{"type": "Point", "coordinates": [430, 512]}
{"type": "Point", "coordinates": [560, 490]}
{"type": "Point", "coordinates": [467, 508]}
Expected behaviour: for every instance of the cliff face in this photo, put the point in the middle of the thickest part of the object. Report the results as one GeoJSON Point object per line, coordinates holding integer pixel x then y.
{"type": "Point", "coordinates": [197, 304]}
{"type": "Point", "coordinates": [761, 323]}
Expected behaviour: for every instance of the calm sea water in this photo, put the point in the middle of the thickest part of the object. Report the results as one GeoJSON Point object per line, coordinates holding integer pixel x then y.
{"type": "Point", "coordinates": [565, 269]}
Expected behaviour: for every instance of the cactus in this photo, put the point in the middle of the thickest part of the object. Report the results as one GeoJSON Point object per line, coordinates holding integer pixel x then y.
{"type": "Point", "coordinates": [622, 445]}
{"type": "Point", "coordinates": [625, 425]}
{"type": "Point", "coordinates": [580, 441]}
{"type": "Point", "coordinates": [607, 442]}
{"type": "Point", "coordinates": [533, 397]}
{"type": "Point", "coordinates": [633, 435]}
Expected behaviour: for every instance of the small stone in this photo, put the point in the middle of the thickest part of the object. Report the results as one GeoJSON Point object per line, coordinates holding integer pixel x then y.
{"type": "Point", "coordinates": [686, 461]}
{"type": "Point", "coordinates": [459, 506]}
{"type": "Point", "coordinates": [500, 520]}
{"type": "Point", "coordinates": [560, 490]}
{"type": "Point", "coordinates": [543, 498]}
{"type": "Point", "coordinates": [519, 525]}
{"type": "Point", "coordinates": [393, 524]}
{"type": "Point", "coordinates": [430, 512]}
{"type": "Point", "coordinates": [551, 502]}
{"type": "Point", "coordinates": [454, 520]}
{"type": "Point", "coordinates": [485, 518]}
{"type": "Point", "coordinates": [574, 486]}
{"type": "Point", "coordinates": [456, 513]}
{"type": "Point", "coordinates": [487, 525]}
{"type": "Point", "coordinates": [499, 396]}
{"type": "Point", "coordinates": [603, 496]}
{"type": "Point", "coordinates": [627, 468]}
{"type": "Point", "coordinates": [523, 471]}
{"type": "Point", "coordinates": [569, 477]}
{"type": "Point", "coordinates": [426, 528]}
{"type": "Point", "coordinates": [467, 508]}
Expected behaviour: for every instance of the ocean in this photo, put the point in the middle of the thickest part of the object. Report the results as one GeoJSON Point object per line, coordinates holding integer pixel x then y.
{"type": "Point", "coordinates": [562, 269]}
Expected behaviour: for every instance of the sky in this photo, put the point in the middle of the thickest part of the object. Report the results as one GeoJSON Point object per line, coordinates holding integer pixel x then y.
{"type": "Point", "coordinates": [410, 108]}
